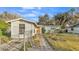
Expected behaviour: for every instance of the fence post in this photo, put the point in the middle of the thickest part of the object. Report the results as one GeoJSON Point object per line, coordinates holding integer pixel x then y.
{"type": "Point", "coordinates": [24, 42]}
{"type": "Point", "coordinates": [30, 38]}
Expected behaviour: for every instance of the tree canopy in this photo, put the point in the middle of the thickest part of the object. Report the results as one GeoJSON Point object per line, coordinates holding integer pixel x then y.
{"type": "Point", "coordinates": [45, 20]}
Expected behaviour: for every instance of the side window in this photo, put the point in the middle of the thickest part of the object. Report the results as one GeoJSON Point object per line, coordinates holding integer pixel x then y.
{"type": "Point", "coordinates": [21, 28]}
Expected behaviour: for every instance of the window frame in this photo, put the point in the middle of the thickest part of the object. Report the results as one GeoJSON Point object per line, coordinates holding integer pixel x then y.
{"type": "Point", "coordinates": [21, 28]}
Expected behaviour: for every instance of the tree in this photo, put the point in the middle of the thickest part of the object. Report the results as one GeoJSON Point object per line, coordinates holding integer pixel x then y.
{"type": "Point", "coordinates": [3, 26]}
{"type": "Point", "coordinates": [46, 17]}
{"type": "Point", "coordinates": [8, 16]}
{"type": "Point", "coordinates": [61, 20]}
{"type": "Point", "coordinates": [43, 19]}
{"type": "Point", "coordinates": [67, 17]}
{"type": "Point", "coordinates": [72, 10]}
{"type": "Point", "coordinates": [43, 30]}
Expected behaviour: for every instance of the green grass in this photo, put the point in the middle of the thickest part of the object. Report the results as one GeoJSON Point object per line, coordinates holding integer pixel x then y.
{"type": "Point", "coordinates": [63, 41]}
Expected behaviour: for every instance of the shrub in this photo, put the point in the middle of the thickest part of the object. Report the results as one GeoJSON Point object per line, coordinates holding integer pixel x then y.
{"type": "Point", "coordinates": [0, 33]}
{"type": "Point", "coordinates": [43, 30]}
{"type": "Point", "coordinates": [3, 26]}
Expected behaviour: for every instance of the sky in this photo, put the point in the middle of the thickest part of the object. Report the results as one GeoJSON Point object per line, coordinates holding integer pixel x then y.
{"type": "Point", "coordinates": [32, 13]}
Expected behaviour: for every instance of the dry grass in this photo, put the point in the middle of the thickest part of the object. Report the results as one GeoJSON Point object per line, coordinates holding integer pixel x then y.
{"type": "Point", "coordinates": [4, 39]}
{"type": "Point", "coordinates": [36, 40]}
{"type": "Point", "coordinates": [65, 41]}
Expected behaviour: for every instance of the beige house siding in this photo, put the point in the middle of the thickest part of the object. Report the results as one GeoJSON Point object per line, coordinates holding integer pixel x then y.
{"type": "Point", "coordinates": [14, 29]}
{"type": "Point", "coordinates": [29, 29]}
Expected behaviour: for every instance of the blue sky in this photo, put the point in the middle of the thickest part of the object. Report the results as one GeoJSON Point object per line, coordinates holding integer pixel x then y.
{"type": "Point", "coordinates": [32, 13]}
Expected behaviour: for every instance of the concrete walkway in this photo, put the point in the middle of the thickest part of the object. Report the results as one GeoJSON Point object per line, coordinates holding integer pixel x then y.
{"type": "Point", "coordinates": [44, 45]}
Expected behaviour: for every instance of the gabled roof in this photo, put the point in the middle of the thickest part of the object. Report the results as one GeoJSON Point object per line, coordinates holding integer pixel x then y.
{"type": "Point", "coordinates": [21, 19]}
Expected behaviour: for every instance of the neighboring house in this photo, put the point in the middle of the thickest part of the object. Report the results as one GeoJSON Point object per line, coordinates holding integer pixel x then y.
{"type": "Point", "coordinates": [21, 28]}
{"type": "Point", "coordinates": [49, 28]}
{"type": "Point", "coordinates": [74, 29]}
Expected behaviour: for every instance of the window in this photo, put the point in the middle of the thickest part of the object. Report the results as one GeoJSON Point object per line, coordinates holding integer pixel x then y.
{"type": "Point", "coordinates": [21, 28]}
{"type": "Point", "coordinates": [72, 29]}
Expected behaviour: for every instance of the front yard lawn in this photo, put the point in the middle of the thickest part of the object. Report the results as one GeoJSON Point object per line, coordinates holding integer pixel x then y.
{"type": "Point", "coordinates": [64, 41]}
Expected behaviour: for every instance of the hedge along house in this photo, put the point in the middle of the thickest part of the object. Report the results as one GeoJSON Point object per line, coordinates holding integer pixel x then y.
{"type": "Point", "coordinates": [21, 28]}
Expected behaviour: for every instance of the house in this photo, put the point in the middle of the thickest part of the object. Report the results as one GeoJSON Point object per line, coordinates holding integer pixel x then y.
{"type": "Point", "coordinates": [74, 29]}
{"type": "Point", "coordinates": [21, 28]}
{"type": "Point", "coordinates": [48, 28]}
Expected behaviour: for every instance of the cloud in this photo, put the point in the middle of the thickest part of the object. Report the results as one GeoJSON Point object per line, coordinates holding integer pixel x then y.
{"type": "Point", "coordinates": [38, 12]}
{"type": "Point", "coordinates": [39, 8]}
{"type": "Point", "coordinates": [30, 15]}
{"type": "Point", "coordinates": [28, 8]}
{"type": "Point", "coordinates": [35, 12]}
{"type": "Point", "coordinates": [23, 9]}
{"type": "Point", "coordinates": [51, 15]}
{"type": "Point", "coordinates": [30, 12]}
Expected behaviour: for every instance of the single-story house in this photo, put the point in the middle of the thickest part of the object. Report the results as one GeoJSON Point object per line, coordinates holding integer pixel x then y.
{"type": "Point", "coordinates": [49, 28]}
{"type": "Point", "coordinates": [21, 28]}
{"type": "Point", "coordinates": [74, 29]}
